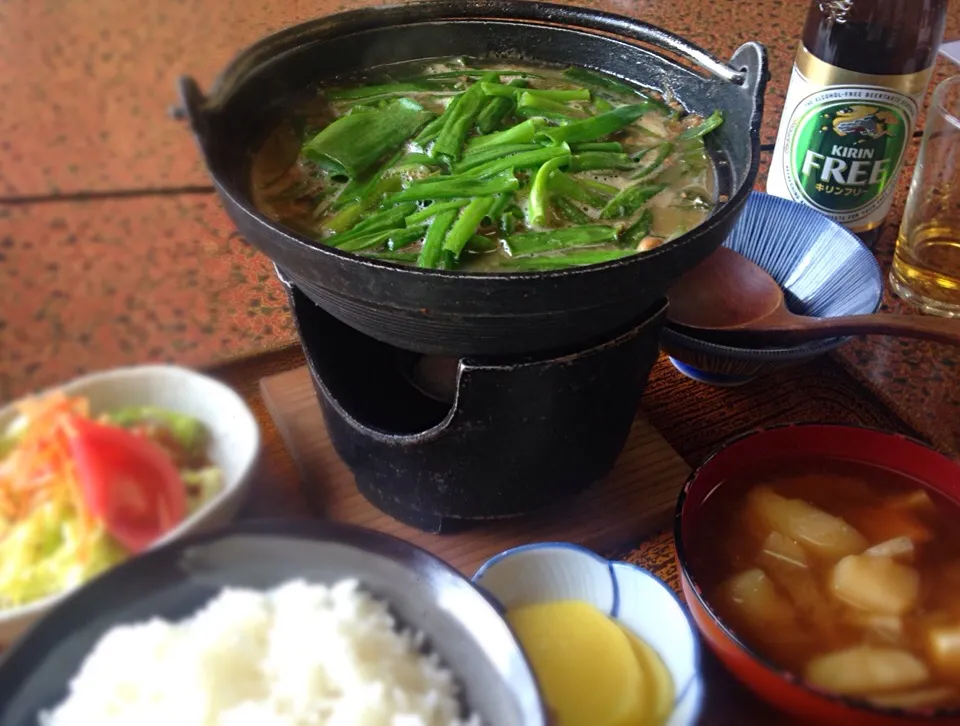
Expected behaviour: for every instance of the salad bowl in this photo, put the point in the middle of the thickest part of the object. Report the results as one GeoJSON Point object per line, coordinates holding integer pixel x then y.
{"type": "Point", "coordinates": [234, 439]}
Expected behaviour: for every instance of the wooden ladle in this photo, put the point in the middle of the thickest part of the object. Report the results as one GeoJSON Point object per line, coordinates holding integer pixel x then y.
{"type": "Point", "coordinates": [729, 299]}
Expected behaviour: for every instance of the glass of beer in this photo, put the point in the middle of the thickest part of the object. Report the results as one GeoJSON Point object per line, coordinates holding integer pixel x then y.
{"type": "Point", "coordinates": [926, 264]}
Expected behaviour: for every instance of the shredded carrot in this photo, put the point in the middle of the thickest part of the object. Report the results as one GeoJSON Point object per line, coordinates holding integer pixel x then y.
{"type": "Point", "coordinates": [40, 468]}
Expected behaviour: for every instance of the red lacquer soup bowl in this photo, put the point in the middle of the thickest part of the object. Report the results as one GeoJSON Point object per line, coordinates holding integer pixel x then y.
{"type": "Point", "coordinates": [739, 460]}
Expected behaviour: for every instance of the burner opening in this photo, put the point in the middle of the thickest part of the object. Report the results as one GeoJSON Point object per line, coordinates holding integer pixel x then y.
{"type": "Point", "coordinates": [436, 376]}
{"type": "Point", "coordinates": [371, 380]}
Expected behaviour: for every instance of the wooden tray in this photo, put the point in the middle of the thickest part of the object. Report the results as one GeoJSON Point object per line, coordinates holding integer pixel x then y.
{"type": "Point", "coordinates": [637, 497]}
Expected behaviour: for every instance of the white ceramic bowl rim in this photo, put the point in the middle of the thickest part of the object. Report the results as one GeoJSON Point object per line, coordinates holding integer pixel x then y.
{"type": "Point", "coordinates": [610, 565]}
{"type": "Point", "coordinates": [37, 607]}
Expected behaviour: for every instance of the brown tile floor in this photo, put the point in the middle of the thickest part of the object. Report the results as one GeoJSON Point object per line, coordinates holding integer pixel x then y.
{"type": "Point", "coordinates": [85, 87]}
{"type": "Point", "coordinates": [920, 380]}
{"type": "Point", "coordinates": [89, 285]}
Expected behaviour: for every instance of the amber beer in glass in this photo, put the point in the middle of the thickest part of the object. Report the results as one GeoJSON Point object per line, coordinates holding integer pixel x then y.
{"type": "Point", "coordinates": [926, 264]}
{"type": "Point", "coordinates": [858, 82]}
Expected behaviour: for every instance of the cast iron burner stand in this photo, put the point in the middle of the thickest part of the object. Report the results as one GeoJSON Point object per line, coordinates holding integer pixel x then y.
{"type": "Point", "coordinates": [440, 443]}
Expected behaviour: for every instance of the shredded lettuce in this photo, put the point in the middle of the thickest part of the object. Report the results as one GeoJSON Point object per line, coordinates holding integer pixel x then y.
{"type": "Point", "coordinates": [40, 555]}
{"type": "Point", "coordinates": [48, 547]}
{"type": "Point", "coordinates": [11, 435]}
{"type": "Point", "coordinates": [201, 484]}
{"type": "Point", "coordinates": [190, 433]}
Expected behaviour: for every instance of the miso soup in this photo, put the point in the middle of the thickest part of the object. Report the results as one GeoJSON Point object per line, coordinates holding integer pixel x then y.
{"type": "Point", "coordinates": [477, 166]}
{"type": "Point", "coordinates": [846, 574]}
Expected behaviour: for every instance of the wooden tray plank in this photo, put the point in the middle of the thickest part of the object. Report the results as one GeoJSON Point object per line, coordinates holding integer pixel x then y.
{"type": "Point", "coordinates": [637, 497]}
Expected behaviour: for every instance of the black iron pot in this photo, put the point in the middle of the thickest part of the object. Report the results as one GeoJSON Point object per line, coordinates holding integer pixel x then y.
{"type": "Point", "coordinates": [515, 437]}
{"type": "Point", "coordinates": [454, 313]}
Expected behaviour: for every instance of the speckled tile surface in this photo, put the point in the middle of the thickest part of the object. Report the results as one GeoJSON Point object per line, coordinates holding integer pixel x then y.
{"type": "Point", "coordinates": [91, 285]}
{"type": "Point", "coordinates": [920, 380]}
{"type": "Point", "coordinates": [85, 86]}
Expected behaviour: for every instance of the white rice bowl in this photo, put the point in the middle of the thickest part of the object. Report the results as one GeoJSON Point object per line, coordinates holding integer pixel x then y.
{"type": "Point", "coordinates": [300, 655]}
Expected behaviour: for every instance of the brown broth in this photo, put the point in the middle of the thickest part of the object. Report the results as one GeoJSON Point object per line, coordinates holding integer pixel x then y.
{"type": "Point", "coordinates": [290, 190]}
{"type": "Point", "coordinates": [821, 618]}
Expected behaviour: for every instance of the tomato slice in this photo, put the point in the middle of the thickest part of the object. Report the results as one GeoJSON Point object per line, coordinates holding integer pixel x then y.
{"type": "Point", "coordinates": [128, 482]}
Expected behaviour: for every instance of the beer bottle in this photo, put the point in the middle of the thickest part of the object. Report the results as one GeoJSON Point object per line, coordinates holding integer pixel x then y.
{"type": "Point", "coordinates": [858, 81]}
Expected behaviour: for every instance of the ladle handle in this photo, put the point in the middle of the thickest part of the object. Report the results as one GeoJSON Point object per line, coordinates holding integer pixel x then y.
{"type": "Point", "coordinates": [925, 327]}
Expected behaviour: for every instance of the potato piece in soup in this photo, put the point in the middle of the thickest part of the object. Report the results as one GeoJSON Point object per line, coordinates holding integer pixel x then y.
{"type": "Point", "coordinates": [899, 548]}
{"type": "Point", "coordinates": [778, 549]}
{"type": "Point", "coordinates": [865, 670]}
{"type": "Point", "coordinates": [880, 629]}
{"type": "Point", "coordinates": [919, 698]}
{"type": "Point", "coordinates": [754, 600]}
{"type": "Point", "coordinates": [876, 584]}
{"type": "Point", "coordinates": [785, 563]}
{"type": "Point", "coordinates": [820, 533]}
{"type": "Point", "coordinates": [917, 501]}
{"type": "Point", "coordinates": [943, 647]}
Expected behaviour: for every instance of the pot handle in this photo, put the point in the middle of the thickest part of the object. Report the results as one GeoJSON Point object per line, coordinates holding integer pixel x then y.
{"type": "Point", "coordinates": [750, 60]}
{"type": "Point", "coordinates": [282, 277]}
{"type": "Point", "coordinates": [615, 24]}
{"type": "Point", "coordinates": [193, 108]}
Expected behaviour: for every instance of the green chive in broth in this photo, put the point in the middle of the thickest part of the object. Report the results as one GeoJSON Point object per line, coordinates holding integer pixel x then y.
{"type": "Point", "coordinates": [480, 167]}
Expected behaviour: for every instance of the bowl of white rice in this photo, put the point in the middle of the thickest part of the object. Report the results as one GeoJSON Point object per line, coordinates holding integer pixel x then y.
{"type": "Point", "coordinates": [273, 624]}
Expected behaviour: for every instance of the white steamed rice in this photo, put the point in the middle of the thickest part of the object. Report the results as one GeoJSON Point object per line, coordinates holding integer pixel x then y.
{"type": "Point", "coordinates": [300, 655]}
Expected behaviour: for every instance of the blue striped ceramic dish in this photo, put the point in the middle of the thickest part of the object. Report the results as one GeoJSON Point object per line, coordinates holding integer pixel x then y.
{"type": "Point", "coordinates": [824, 270]}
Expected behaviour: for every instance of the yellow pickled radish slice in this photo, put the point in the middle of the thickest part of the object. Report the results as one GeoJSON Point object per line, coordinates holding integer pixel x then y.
{"type": "Point", "coordinates": [658, 681]}
{"type": "Point", "coordinates": [586, 666]}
